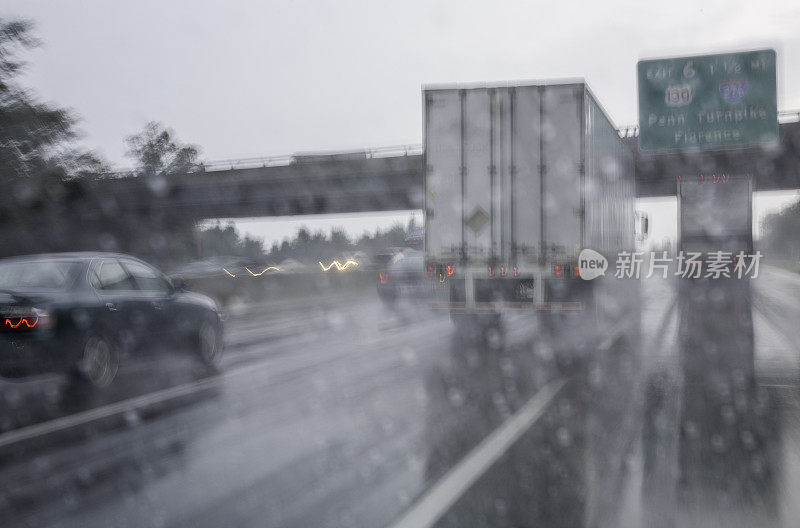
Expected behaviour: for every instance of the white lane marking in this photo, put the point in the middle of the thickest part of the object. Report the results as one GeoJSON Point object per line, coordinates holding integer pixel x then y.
{"type": "Point", "coordinates": [436, 501]}
{"type": "Point", "coordinates": [90, 415]}
{"type": "Point", "coordinates": [786, 274]}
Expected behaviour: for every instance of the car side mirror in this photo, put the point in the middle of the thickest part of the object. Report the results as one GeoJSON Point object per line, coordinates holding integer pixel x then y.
{"type": "Point", "coordinates": [642, 225]}
{"type": "Point", "coordinates": [179, 285]}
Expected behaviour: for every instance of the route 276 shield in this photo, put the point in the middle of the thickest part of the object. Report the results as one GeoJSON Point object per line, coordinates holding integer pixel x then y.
{"type": "Point", "coordinates": [733, 90]}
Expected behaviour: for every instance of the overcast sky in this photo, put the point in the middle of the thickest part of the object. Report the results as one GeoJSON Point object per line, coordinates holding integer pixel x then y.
{"type": "Point", "coordinates": [255, 78]}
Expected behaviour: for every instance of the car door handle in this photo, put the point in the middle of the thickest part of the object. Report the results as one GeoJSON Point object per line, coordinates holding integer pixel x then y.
{"type": "Point", "coordinates": [111, 307]}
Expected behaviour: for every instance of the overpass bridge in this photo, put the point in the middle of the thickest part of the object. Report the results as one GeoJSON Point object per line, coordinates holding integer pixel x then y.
{"type": "Point", "coordinates": [391, 179]}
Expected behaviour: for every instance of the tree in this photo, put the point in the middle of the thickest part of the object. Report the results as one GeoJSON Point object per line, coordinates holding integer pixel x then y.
{"type": "Point", "coordinates": [225, 241]}
{"type": "Point", "coordinates": [157, 151]}
{"type": "Point", "coordinates": [40, 167]}
{"type": "Point", "coordinates": [159, 154]}
{"type": "Point", "coordinates": [339, 239]}
{"type": "Point", "coordinates": [780, 232]}
{"type": "Point", "coordinates": [34, 137]}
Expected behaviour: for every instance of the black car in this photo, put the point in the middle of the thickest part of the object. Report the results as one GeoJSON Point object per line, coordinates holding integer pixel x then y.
{"type": "Point", "coordinates": [82, 313]}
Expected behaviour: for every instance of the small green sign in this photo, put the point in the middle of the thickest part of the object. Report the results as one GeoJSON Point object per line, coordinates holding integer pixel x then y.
{"type": "Point", "coordinates": [710, 101]}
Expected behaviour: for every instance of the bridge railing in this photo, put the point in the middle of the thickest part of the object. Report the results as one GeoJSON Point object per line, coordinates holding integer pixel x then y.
{"type": "Point", "coordinates": [272, 161]}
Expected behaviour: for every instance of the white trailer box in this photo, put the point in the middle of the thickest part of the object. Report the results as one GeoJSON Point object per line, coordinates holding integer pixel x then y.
{"type": "Point", "coordinates": [519, 179]}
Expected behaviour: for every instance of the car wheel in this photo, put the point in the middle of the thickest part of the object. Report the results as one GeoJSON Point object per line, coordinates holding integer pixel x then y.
{"type": "Point", "coordinates": [99, 361]}
{"type": "Point", "coordinates": [209, 342]}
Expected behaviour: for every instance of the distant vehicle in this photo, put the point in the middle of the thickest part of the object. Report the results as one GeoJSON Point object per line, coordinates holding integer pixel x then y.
{"type": "Point", "coordinates": [83, 313]}
{"type": "Point", "coordinates": [211, 267]}
{"type": "Point", "coordinates": [383, 258]}
{"type": "Point", "coordinates": [291, 265]}
{"type": "Point", "coordinates": [403, 277]}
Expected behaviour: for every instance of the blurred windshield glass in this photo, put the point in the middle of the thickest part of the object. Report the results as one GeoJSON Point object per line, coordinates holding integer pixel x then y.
{"type": "Point", "coordinates": [430, 264]}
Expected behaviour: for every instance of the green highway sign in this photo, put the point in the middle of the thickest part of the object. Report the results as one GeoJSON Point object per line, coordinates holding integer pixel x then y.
{"type": "Point", "coordinates": [710, 101]}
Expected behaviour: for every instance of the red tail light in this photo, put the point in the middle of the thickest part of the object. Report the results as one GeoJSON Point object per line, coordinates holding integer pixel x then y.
{"type": "Point", "coordinates": [516, 271]}
{"type": "Point", "coordinates": [491, 271]}
{"type": "Point", "coordinates": [451, 270]}
{"type": "Point", "coordinates": [384, 277]}
{"type": "Point", "coordinates": [25, 322]}
{"type": "Point", "coordinates": [27, 318]}
{"type": "Point", "coordinates": [431, 271]}
{"type": "Point", "coordinates": [576, 271]}
{"type": "Point", "coordinates": [558, 270]}
{"type": "Point", "coordinates": [502, 271]}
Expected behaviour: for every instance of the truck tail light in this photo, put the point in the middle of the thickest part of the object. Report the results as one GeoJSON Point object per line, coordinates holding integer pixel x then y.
{"type": "Point", "coordinates": [431, 270]}
{"type": "Point", "coordinates": [516, 271]}
{"type": "Point", "coordinates": [383, 277]}
{"type": "Point", "coordinates": [576, 271]}
{"type": "Point", "coordinates": [450, 270]}
{"type": "Point", "coordinates": [558, 270]}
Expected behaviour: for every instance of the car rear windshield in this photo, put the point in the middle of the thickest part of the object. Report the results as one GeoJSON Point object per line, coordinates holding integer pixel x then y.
{"type": "Point", "coordinates": [37, 275]}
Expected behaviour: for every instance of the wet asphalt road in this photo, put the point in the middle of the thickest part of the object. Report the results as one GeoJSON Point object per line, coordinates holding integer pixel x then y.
{"type": "Point", "coordinates": [341, 412]}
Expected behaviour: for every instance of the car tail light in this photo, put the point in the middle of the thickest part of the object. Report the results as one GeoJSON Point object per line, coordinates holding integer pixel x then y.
{"type": "Point", "coordinates": [431, 270]}
{"type": "Point", "coordinates": [516, 271]}
{"type": "Point", "coordinates": [450, 270]}
{"type": "Point", "coordinates": [28, 318]}
{"type": "Point", "coordinates": [576, 271]}
{"type": "Point", "coordinates": [21, 322]}
{"type": "Point", "coordinates": [558, 270]}
{"type": "Point", "coordinates": [502, 271]}
{"type": "Point", "coordinates": [383, 277]}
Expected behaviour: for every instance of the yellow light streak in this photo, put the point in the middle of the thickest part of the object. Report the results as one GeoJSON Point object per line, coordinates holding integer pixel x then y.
{"type": "Point", "coordinates": [338, 265]}
{"type": "Point", "coordinates": [262, 271]}
{"type": "Point", "coordinates": [229, 273]}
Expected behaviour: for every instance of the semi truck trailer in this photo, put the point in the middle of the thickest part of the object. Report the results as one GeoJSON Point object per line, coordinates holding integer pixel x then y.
{"type": "Point", "coordinates": [716, 213]}
{"type": "Point", "coordinates": [518, 180]}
